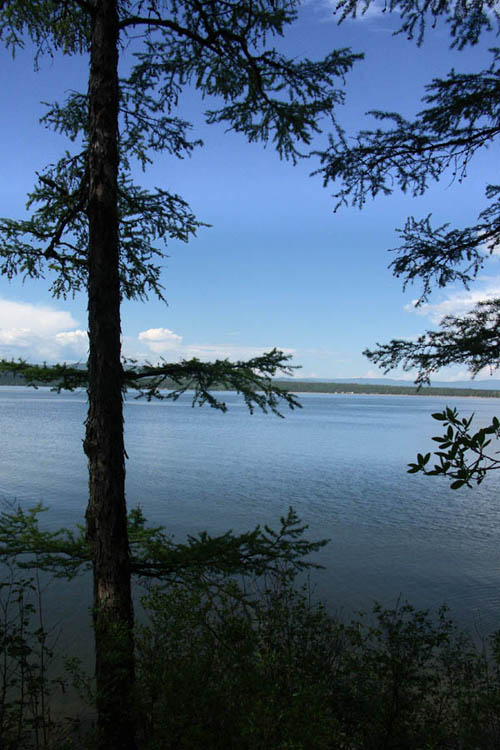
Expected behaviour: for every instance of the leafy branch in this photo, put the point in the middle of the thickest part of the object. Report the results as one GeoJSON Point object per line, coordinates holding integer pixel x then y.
{"type": "Point", "coordinates": [462, 454]}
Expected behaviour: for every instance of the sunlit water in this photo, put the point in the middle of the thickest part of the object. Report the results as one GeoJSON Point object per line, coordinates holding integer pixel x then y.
{"type": "Point", "coordinates": [340, 462]}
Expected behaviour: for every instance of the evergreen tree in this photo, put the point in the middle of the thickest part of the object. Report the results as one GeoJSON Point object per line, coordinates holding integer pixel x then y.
{"type": "Point", "coordinates": [98, 231]}
{"type": "Point", "coordinates": [461, 117]}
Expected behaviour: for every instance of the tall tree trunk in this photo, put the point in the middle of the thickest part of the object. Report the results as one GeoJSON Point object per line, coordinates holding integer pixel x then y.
{"type": "Point", "coordinates": [106, 513]}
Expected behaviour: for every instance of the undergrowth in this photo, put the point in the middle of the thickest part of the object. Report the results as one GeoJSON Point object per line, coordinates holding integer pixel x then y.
{"type": "Point", "coordinates": [256, 665]}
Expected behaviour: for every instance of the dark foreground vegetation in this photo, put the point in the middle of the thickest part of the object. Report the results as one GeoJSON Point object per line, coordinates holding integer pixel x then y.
{"type": "Point", "coordinates": [253, 664]}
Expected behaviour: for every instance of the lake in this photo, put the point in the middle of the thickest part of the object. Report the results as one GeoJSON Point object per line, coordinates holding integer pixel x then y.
{"type": "Point", "coordinates": [340, 461]}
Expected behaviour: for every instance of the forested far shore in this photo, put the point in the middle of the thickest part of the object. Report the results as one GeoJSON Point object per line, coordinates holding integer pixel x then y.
{"type": "Point", "coordinates": [376, 389]}
{"type": "Point", "coordinates": [307, 386]}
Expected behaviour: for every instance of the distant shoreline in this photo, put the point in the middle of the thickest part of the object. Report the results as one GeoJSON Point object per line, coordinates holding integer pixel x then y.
{"type": "Point", "coordinates": [346, 389]}
{"type": "Point", "coordinates": [355, 389]}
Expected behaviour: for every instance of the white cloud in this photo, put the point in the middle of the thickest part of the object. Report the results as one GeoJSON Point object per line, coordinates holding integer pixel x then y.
{"type": "Point", "coordinates": [44, 333]}
{"type": "Point", "coordinates": [160, 340]}
{"type": "Point", "coordinates": [41, 319]}
{"type": "Point", "coordinates": [37, 332]}
{"type": "Point", "coordinates": [14, 336]}
{"type": "Point", "coordinates": [164, 341]}
{"type": "Point", "coordinates": [77, 340]}
{"type": "Point", "coordinates": [457, 302]}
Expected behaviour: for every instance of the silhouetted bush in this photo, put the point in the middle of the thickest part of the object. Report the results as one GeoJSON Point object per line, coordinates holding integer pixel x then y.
{"type": "Point", "coordinates": [254, 664]}
{"type": "Point", "coordinates": [275, 672]}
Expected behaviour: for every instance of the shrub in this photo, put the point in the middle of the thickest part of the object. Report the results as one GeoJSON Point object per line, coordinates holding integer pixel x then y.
{"type": "Point", "coordinates": [27, 688]}
{"type": "Point", "coordinates": [273, 671]}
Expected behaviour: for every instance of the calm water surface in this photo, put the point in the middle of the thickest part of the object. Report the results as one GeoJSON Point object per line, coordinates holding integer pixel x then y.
{"type": "Point", "coordinates": [340, 461]}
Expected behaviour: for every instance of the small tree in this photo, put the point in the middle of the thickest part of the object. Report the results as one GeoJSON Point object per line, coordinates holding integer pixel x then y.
{"type": "Point", "coordinates": [461, 117]}
{"type": "Point", "coordinates": [98, 231]}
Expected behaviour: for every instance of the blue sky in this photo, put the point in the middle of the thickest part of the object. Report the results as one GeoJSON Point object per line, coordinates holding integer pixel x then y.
{"type": "Point", "coordinates": [277, 267]}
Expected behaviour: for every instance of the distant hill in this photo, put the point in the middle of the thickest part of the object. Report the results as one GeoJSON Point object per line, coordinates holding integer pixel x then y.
{"type": "Point", "coordinates": [483, 385]}
{"type": "Point", "coordinates": [481, 388]}
{"type": "Point", "coordinates": [6, 378]}
{"type": "Point", "coordinates": [381, 387]}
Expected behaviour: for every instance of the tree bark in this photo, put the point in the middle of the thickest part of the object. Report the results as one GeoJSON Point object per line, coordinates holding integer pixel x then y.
{"type": "Point", "coordinates": [106, 515]}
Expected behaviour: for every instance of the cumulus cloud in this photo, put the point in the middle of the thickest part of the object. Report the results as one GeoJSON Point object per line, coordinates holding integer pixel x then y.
{"type": "Point", "coordinates": [14, 336]}
{"type": "Point", "coordinates": [38, 332]}
{"type": "Point", "coordinates": [164, 341]}
{"type": "Point", "coordinates": [457, 302]}
{"type": "Point", "coordinates": [160, 340]}
{"type": "Point", "coordinates": [78, 341]}
{"type": "Point", "coordinates": [45, 333]}
{"type": "Point", "coordinates": [37, 318]}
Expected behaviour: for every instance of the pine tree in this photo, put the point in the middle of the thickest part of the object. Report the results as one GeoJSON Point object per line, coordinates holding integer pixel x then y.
{"type": "Point", "coordinates": [461, 117]}
{"type": "Point", "coordinates": [98, 231]}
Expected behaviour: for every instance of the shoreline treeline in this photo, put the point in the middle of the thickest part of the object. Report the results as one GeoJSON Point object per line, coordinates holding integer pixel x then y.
{"type": "Point", "coordinates": [305, 386]}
